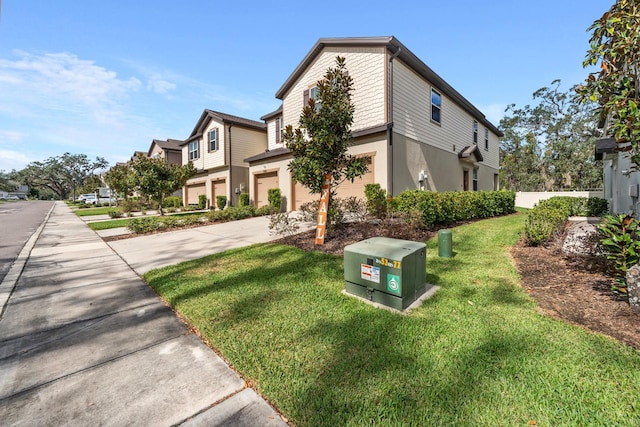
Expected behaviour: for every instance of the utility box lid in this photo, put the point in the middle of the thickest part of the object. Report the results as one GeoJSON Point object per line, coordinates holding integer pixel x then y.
{"type": "Point", "coordinates": [385, 270]}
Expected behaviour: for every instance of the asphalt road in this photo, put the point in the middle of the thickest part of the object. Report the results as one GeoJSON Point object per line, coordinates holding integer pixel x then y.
{"type": "Point", "coordinates": [18, 221]}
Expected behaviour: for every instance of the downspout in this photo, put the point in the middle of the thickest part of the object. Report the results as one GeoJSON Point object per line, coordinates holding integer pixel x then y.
{"type": "Point", "coordinates": [231, 193]}
{"type": "Point", "coordinates": [390, 125]}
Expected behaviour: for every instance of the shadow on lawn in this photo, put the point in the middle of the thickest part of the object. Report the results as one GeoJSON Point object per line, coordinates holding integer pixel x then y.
{"type": "Point", "coordinates": [376, 374]}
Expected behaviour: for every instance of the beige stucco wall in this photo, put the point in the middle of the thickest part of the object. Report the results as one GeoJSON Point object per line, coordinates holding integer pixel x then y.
{"type": "Point", "coordinates": [443, 169]}
{"type": "Point", "coordinates": [366, 65]}
{"type": "Point", "coordinates": [412, 117]}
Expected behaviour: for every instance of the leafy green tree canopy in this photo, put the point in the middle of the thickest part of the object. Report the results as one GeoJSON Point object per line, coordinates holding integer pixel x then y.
{"type": "Point", "coordinates": [120, 179]}
{"type": "Point", "coordinates": [156, 179]}
{"type": "Point", "coordinates": [319, 145]}
{"type": "Point", "coordinates": [60, 174]}
{"type": "Point", "coordinates": [549, 146]}
{"type": "Point", "coordinates": [615, 48]}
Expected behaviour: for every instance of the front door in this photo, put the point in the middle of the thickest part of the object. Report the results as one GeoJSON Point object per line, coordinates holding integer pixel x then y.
{"type": "Point", "coordinates": [465, 180]}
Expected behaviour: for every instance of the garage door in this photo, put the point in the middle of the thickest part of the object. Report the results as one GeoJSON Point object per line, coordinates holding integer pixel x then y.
{"type": "Point", "coordinates": [301, 195]}
{"type": "Point", "coordinates": [264, 182]}
{"type": "Point", "coordinates": [193, 191]}
{"type": "Point", "coordinates": [218, 188]}
{"type": "Point", "coordinates": [355, 188]}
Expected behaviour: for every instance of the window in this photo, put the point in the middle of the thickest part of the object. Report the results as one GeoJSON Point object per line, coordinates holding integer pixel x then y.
{"type": "Point", "coordinates": [486, 139]}
{"type": "Point", "coordinates": [475, 180]}
{"type": "Point", "coordinates": [213, 139]}
{"type": "Point", "coordinates": [475, 132]}
{"type": "Point", "coordinates": [314, 93]}
{"type": "Point", "coordinates": [436, 105]}
{"type": "Point", "coordinates": [193, 150]}
{"type": "Point", "coordinates": [156, 155]}
{"type": "Point", "coordinates": [279, 130]}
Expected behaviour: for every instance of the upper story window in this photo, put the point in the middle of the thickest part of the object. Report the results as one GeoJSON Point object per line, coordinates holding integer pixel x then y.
{"type": "Point", "coordinates": [156, 155]}
{"type": "Point", "coordinates": [193, 150]}
{"type": "Point", "coordinates": [213, 139]}
{"type": "Point", "coordinates": [436, 106]}
{"type": "Point", "coordinates": [475, 132]}
{"type": "Point", "coordinates": [312, 93]}
{"type": "Point", "coordinates": [279, 130]}
{"type": "Point", "coordinates": [486, 138]}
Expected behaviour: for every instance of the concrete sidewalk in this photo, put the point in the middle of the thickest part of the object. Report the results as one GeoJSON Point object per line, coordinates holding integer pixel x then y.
{"type": "Point", "coordinates": [84, 341]}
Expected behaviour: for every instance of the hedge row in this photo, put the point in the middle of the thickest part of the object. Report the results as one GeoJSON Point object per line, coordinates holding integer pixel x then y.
{"type": "Point", "coordinates": [148, 224]}
{"type": "Point", "coordinates": [547, 218]}
{"type": "Point", "coordinates": [452, 206]}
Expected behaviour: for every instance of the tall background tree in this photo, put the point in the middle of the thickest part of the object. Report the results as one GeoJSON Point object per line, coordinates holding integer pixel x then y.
{"type": "Point", "coordinates": [61, 174]}
{"type": "Point", "coordinates": [319, 145]}
{"type": "Point", "coordinates": [615, 50]}
{"type": "Point", "coordinates": [550, 145]}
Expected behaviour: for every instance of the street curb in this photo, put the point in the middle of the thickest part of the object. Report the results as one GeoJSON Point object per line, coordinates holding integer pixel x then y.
{"type": "Point", "coordinates": [10, 281]}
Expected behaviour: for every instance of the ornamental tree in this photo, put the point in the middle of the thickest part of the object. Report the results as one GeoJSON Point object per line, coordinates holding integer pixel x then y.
{"type": "Point", "coordinates": [120, 179]}
{"type": "Point", "coordinates": [615, 48]}
{"type": "Point", "coordinates": [319, 145]}
{"type": "Point", "coordinates": [156, 179]}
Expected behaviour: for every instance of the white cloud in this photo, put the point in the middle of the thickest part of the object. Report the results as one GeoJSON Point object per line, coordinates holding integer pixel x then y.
{"type": "Point", "coordinates": [10, 159]}
{"type": "Point", "coordinates": [158, 85]}
{"type": "Point", "coordinates": [57, 102]}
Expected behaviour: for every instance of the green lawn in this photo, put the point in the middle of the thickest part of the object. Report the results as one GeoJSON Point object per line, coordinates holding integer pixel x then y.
{"type": "Point", "coordinates": [95, 211]}
{"type": "Point", "coordinates": [477, 353]}
{"type": "Point", "coordinates": [105, 225]}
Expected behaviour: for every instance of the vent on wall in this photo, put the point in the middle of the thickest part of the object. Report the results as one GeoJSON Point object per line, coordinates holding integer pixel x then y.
{"type": "Point", "coordinates": [634, 190]}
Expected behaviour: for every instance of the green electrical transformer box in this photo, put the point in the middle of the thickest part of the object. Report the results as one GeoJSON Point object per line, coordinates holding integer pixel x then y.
{"type": "Point", "coordinates": [387, 271]}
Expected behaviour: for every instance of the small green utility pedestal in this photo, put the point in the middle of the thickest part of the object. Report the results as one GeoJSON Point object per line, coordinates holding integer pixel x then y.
{"type": "Point", "coordinates": [444, 244]}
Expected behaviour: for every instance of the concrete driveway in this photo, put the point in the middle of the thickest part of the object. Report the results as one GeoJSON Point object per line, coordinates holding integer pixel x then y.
{"type": "Point", "coordinates": [153, 251]}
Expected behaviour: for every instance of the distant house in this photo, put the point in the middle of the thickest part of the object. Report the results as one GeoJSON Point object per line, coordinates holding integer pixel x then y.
{"type": "Point", "coordinates": [217, 147]}
{"type": "Point", "coordinates": [417, 131]}
{"type": "Point", "coordinates": [170, 150]}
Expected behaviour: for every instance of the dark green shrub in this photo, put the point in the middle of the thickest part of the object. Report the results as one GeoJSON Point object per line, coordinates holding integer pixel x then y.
{"type": "Point", "coordinates": [115, 213]}
{"type": "Point", "coordinates": [202, 201]}
{"type": "Point", "coordinates": [274, 197]}
{"type": "Point", "coordinates": [376, 200]}
{"type": "Point", "coordinates": [266, 210]}
{"type": "Point", "coordinates": [620, 240]}
{"type": "Point", "coordinates": [172, 202]}
{"type": "Point", "coordinates": [240, 212]}
{"type": "Point", "coordinates": [143, 225]}
{"type": "Point", "coordinates": [244, 199]}
{"type": "Point", "coordinates": [221, 202]}
{"type": "Point", "coordinates": [452, 206]}
{"type": "Point", "coordinates": [543, 222]}
{"type": "Point", "coordinates": [597, 206]}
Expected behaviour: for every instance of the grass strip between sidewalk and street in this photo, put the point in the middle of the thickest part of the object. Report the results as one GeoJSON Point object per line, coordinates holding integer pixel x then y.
{"type": "Point", "coordinates": [476, 353]}
{"type": "Point", "coordinates": [95, 211]}
{"type": "Point", "coordinates": [112, 223]}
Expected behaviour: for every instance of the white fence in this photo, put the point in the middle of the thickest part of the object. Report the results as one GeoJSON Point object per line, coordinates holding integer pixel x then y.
{"type": "Point", "coordinates": [528, 199]}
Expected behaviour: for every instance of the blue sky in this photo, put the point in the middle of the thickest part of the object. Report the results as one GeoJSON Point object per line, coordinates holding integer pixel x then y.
{"type": "Point", "coordinates": [105, 78]}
